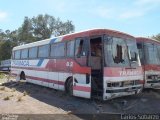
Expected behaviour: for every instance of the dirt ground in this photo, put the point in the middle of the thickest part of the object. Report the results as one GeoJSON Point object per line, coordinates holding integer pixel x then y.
{"type": "Point", "coordinates": [25, 98]}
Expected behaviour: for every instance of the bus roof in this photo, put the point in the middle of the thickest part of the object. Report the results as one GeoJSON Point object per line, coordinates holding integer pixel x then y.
{"type": "Point", "coordinates": [150, 40]}
{"type": "Point", "coordinates": [89, 33]}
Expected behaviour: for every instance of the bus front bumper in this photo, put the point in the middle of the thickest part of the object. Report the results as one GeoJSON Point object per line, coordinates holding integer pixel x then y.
{"type": "Point", "coordinates": [119, 92]}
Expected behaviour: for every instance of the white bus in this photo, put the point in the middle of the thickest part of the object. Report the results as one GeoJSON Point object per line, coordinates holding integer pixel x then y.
{"type": "Point", "coordinates": [5, 65]}
{"type": "Point", "coordinates": [149, 51]}
{"type": "Point", "coordinates": [97, 63]}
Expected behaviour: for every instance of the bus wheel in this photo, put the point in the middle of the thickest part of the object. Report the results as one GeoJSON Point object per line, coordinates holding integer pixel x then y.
{"type": "Point", "coordinates": [22, 76]}
{"type": "Point", "coordinates": [70, 87]}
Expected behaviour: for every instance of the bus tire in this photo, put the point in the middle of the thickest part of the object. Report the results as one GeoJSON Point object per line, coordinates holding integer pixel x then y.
{"type": "Point", "coordinates": [70, 87]}
{"type": "Point", "coordinates": [22, 76]}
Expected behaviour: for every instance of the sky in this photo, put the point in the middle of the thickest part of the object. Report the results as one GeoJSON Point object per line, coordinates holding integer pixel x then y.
{"type": "Point", "coordinates": [135, 17]}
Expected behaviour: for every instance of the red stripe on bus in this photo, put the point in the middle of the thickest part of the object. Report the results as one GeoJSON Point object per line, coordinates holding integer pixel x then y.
{"type": "Point", "coordinates": [82, 88]}
{"type": "Point", "coordinates": [151, 67]}
{"type": "Point", "coordinates": [84, 70]}
{"type": "Point", "coordinates": [46, 80]}
{"type": "Point", "coordinates": [122, 72]}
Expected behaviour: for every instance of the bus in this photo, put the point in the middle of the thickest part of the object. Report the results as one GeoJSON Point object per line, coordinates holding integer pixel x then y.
{"type": "Point", "coordinates": [5, 65]}
{"type": "Point", "coordinates": [97, 63]}
{"type": "Point", "coordinates": [149, 52]}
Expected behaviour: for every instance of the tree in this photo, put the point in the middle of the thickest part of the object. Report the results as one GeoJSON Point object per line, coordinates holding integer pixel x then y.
{"type": "Point", "coordinates": [25, 32]}
{"type": "Point", "coordinates": [32, 29]}
{"type": "Point", "coordinates": [157, 37]}
{"type": "Point", "coordinates": [2, 35]}
{"type": "Point", "coordinates": [5, 50]}
{"type": "Point", "coordinates": [8, 41]}
{"type": "Point", "coordinates": [63, 28]}
{"type": "Point", "coordinates": [43, 27]}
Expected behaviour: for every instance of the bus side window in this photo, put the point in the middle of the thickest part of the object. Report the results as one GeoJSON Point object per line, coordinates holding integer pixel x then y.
{"type": "Point", "coordinates": [57, 50]}
{"type": "Point", "coordinates": [24, 54]}
{"type": "Point", "coordinates": [81, 51]}
{"type": "Point", "coordinates": [70, 49]}
{"type": "Point", "coordinates": [140, 51]}
{"type": "Point", "coordinates": [33, 52]}
{"type": "Point", "coordinates": [43, 51]}
{"type": "Point", "coordinates": [17, 54]}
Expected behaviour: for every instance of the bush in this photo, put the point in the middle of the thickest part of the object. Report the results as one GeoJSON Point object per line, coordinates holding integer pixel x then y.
{"type": "Point", "coordinates": [19, 98]}
{"type": "Point", "coordinates": [2, 88]}
{"type": "Point", "coordinates": [2, 75]}
{"type": "Point", "coordinates": [6, 98]}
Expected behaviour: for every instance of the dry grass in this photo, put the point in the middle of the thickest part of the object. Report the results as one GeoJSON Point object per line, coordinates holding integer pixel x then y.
{"type": "Point", "coordinates": [11, 96]}
{"type": "Point", "coordinates": [2, 88]}
{"type": "Point", "coordinates": [2, 75]}
{"type": "Point", "coordinates": [19, 98]}
{"type": "Point", "coordinates": [13, 90]}
{"type": "Point", "coordinates": [25, 93]}
{"type": "Point", "coordinates": [6, 98]}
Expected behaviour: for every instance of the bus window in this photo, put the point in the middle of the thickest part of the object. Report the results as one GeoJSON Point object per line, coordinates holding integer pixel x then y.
{"type": "Point", "coordinates": [33, 52]}
{"type": "Point", "coordinates": [17, 54]}
{"type": "Point", "coordinates": [158, 54]}
{"type": "Point", "coordinates": [24, 54]}
{"type": "Point", "coordinates": [81, 51]}
{"type": "Point", "coordinates": [43, 51]}
{"type": "Point", "coordinates": [80, 48]}
{"type": "Point", "coordinates": [116, 53]}
{"type": "Point", "coordinates": [140, 51]}
{"type": "Point", "coordinates": [70, 48]}
{"type": "Point", "coordinates": [133, 53]}
{"type": "Point", "coordinates": [58, 50]}
{"type": "Point", "coordinates": [151, 53]}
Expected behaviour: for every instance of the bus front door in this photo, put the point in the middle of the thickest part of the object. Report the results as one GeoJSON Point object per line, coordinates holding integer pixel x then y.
{"type": "Point", "coordinates": [81, 72]}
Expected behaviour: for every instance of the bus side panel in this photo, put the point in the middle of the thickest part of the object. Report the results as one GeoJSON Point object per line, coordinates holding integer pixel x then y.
{"type": "Point", "coordinates": [53, 76]}
{"type": "Point", "coordinates": [152, 74]}
{"type": "Point", "coordinates": [62, 78]}
{"type": "Point", "coordinates": [80, 87]}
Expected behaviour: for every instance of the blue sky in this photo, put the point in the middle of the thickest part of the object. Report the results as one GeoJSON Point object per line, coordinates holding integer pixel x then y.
{"type": "Point", "coordinates": [136, 17]}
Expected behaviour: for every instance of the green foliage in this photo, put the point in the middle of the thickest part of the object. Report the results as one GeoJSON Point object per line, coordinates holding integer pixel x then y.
{"type": "Point", "coordinates": [157, 37]}
{"type": "Point", "coordinates": [33, 29]}
{"type": "Point", "coordinates": [43, 27]}
{"type": "Point", "coordinates": [5, 50]}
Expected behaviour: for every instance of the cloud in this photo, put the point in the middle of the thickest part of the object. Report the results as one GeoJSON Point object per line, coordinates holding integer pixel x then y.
{"type": "Point", "coordinates": [140, 8]}
{"type": "Point", "coordinates": [3, 16]}
{"type": "Point", "coordinates": [131, 14]}
{"type": "Point", "coordinates": [147, 2]}
{"type": "Point", "coordinates": [134, 9]}
{"type": "Point", "coordinates": [104, 12]}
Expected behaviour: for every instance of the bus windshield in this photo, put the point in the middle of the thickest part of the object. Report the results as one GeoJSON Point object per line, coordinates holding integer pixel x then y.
{"type": "Point", "coordinates": [120, 52]}
{"type": "Point", "coordinates": [151, 53]}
